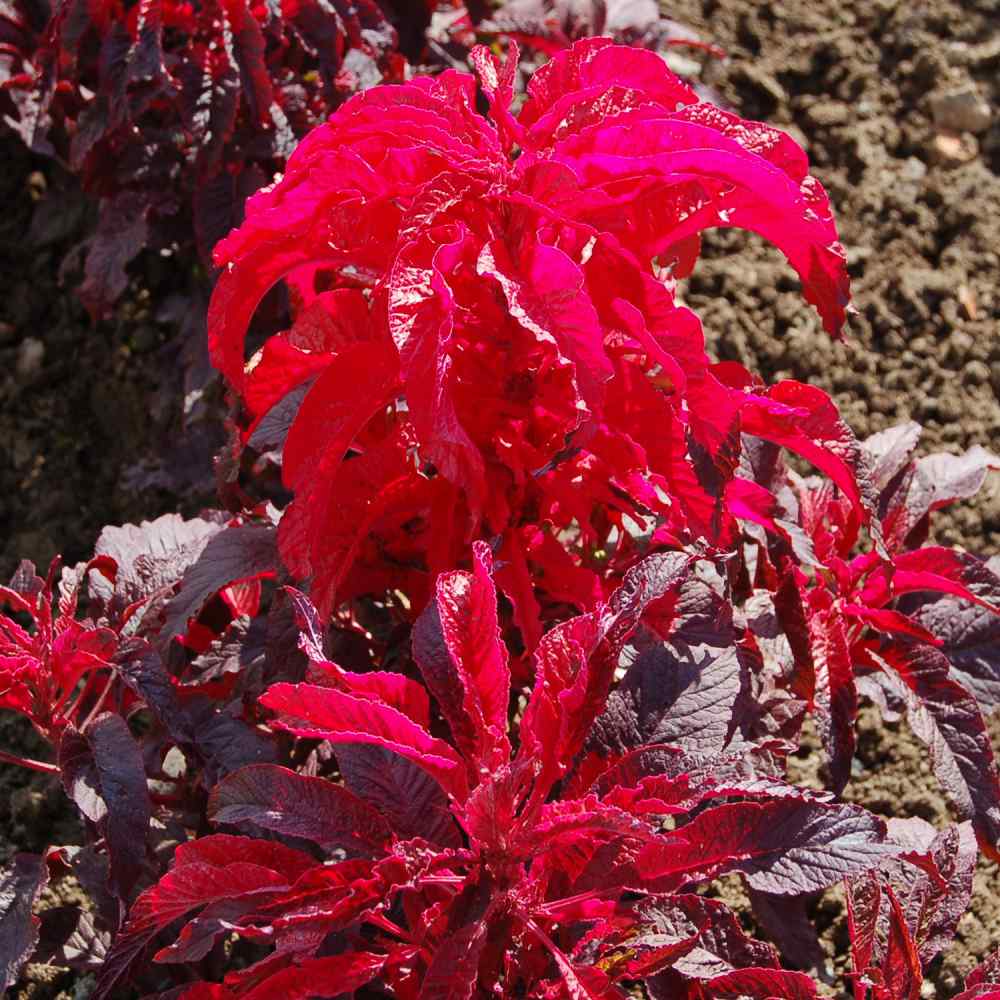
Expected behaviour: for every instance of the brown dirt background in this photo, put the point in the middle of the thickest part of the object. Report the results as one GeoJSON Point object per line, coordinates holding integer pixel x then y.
{"type": "Point", "coordinates": [918, 204]}
{"type": "Point", "coordinates": [859, 83]}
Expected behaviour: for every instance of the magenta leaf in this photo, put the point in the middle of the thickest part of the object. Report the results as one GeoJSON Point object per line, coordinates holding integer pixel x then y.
{"type": "Point", "coordinates": [326, 976]}
{"type": "Point", "coordinates": [574, 663]}
{"type": "Point", "coordinates": [326, 424]}
{"type": "Point", "coordinates": [986, 973]}
{"type": "Point", "coordinates": [835, 697]}
{"type": "Point", "coordinates": [457, 646]}
{"type": "Point", "coordinates": [933, 568]}
{"type": "Point", "coordinates": [741, 984]}
{"type": "Point", "coordinates": [804, 419]}
{"type": "Point", "coordinates": [901, 972]}
{"type": "Point", "coordinates": [329, 419]}
{"type": "Point", "coordinates": [204, 872]}
{"type": "Point", "coordinates": [453, 972]}
{"type": "Point", "coordinates": [275, 798]}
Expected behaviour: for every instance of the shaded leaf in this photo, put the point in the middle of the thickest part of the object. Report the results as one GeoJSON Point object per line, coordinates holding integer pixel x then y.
{"type": "Point", "coordinates": [411, 800]}
{"type": "Point", "coordinates": [315, 809]}
{"type": "Point", "coordinates": [21, 880]}
{"type": "Point", "coordinates": [240, 553]}
{"type": "Point", "coordinates": [103, 773]}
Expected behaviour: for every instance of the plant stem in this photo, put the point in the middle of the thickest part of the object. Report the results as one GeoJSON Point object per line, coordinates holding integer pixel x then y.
{"type": "Point", "coordinates": [35, 765]}
{"type": "Point", "coordinates": [99, 704]}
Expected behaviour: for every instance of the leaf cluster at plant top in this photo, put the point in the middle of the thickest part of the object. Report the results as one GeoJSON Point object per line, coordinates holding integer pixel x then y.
{"type": "Point", "coordinates": [508, 667]}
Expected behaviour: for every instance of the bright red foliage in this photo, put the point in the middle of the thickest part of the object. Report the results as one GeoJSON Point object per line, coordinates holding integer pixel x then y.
{"type": "Point", "coordinates": [41, 668]}
{"type": "Point", "coordinates": [542, 881]}
{"type": "Point", "coordinates": [484, 339]}
{"type": "Point", "coordinates": [426, 788]}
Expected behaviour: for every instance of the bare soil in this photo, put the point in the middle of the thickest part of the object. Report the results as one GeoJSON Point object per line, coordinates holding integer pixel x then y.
{"type": "Point", "coordinates": [881, 93]}
{"type": "Point", "coordinates": [868, 87]}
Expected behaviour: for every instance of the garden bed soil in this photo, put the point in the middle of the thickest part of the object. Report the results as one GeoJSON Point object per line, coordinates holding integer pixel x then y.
{"type": "Point", "coordinates": [898, 106]}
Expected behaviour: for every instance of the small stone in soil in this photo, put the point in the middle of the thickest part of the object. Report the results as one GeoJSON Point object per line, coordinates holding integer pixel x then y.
{"type": "Point", "coordinates": [961, 110]}
{"type": "Point", "coordinates": [30, 356]}
{"type": "Point", "coordinates": [953, 150]}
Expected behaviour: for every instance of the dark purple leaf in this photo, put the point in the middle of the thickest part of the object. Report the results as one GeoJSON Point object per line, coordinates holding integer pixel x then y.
{"type": "Point", "coordinates": [240, 649]}
{"type": "Point", "coordinates": [151, 556]}
{"type": "Point", "coordinates": [291, 804]}
{"type": "Point", "coordinates": [410, 799]}
{"type": "Point", "coordinates": [217, 740]}
{"type": "Point", "coordinates": [932, 482]}
{"type": "Point", "coordinates": [222, 741]}
{"type": "Point", "coordinates": [70, 936]}
{"type": "Point", "coordinates": [783, 847]}
{"type": "Point", "coordinates": [123, 230]}
{"type": "Point", "coordinates": [21, 880]}
{"type": "Point", "coordinates": [890, 451]}
{"type": "Point", "coordinates": [786, 921]}
{"type": "Point", "coordinates": [933, 881]}
{"type": "Point", "coordinates": [716, 942]}
{"type": "Point", "coordinates": [209, 103]}
{"type": "Point", "coordinates": [103, 773]}
{"type": "Point", "coordinates": [245, 552]}
{"type": "Point", "coordinates": [947, 718]}
{"type": "Point", "coordinates": [678, 694]}
{"type": "Point", "coordinates": [248, 47]}
{"type": "Point", "coordinates": [970, 637]}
